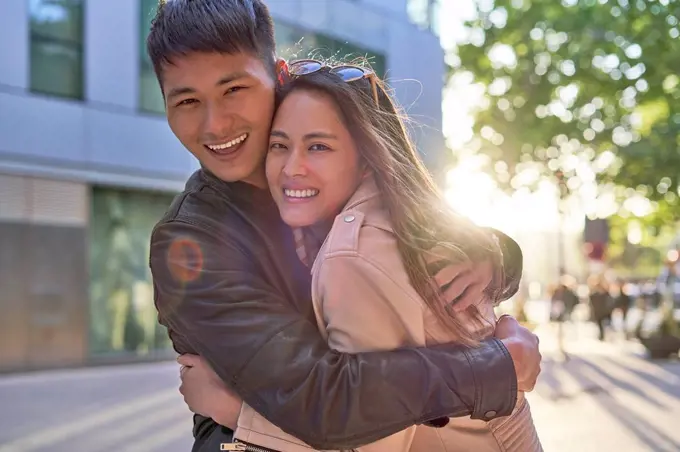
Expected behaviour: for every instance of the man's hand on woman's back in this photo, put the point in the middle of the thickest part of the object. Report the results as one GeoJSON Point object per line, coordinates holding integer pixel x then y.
{"type": "Point", "coordinates": [524, 351]}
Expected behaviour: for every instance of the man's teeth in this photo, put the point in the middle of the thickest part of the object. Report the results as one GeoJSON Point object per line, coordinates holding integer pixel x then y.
{"type": "Point", "coordinates": [300, 193]}
{"type": "Point", "coordinates": [228, 144]}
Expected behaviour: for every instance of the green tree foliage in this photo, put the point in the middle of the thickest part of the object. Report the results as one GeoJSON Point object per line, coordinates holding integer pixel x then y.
{"type": "Point", "coordinates": [579, 82]}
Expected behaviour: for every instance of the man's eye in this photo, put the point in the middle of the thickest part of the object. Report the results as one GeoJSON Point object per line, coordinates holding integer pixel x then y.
{"type": "Point", "coordinates": [186, 102]}
{"type": "Point", "coordinates": [277, 146]}
{"type": "Point", "coordinates": [234, 89]}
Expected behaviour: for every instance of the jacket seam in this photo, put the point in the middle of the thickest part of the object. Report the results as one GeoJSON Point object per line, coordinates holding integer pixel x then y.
{"type": "Point", "coordinates": [506, 353]}
{"type": "Point", "coordinates": [330, 239]}
{"type": "Point", "coordinates": [474, 382]}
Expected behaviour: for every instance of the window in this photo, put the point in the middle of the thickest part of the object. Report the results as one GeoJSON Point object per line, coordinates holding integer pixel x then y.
{"type": "Point", "coordinates": [150, 96]}
{"type": "Point", "coordinates": [56, 53]}
{"type": "Point", "coordinates": [123, 318]}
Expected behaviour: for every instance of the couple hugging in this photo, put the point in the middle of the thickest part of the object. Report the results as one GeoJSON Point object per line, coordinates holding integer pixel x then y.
{"type": "Point", "coordinates": [319, 291]}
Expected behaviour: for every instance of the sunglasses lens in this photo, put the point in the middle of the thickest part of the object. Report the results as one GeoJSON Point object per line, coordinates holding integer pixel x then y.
{"type": "Point", "coordinates": [304, 67]}
{"type": "Point", "coordinates": [349, 73]}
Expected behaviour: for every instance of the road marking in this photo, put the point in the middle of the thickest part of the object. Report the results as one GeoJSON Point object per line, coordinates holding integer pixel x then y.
{"type": "Point", "coordinates": [43, 438]}
{"type": "Point", "coordinates": [173, 432]}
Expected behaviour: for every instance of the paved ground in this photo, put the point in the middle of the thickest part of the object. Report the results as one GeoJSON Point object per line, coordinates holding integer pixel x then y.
{"type": "Point", "coordinates": [605, 398]}
{"type": "Point", "coordinates": [125, 408]}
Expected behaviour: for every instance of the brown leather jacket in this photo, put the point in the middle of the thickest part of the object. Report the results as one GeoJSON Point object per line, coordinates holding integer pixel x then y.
{"type": "Point", "coordinates": [229, 287]}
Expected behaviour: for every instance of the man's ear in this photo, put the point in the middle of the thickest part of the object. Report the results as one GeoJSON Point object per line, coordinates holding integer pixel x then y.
{"type": "Point", "coordinates": [282, 74]}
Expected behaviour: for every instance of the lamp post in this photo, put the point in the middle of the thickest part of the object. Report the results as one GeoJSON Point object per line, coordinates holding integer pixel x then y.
{"type": "Point", "coordinates": [563, 190]}
{"type": "Point", "coordinates": [561, 271]}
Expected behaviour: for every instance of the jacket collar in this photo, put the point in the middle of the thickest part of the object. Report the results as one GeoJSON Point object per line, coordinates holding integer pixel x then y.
{"type": "Point", "coordinates": [366, 197]}
{"type": "Point", "coordinates": [368, 200]}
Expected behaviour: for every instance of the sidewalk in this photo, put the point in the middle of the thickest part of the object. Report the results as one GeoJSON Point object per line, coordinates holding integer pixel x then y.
{"type": "Point", "coordinates": [607, 396]}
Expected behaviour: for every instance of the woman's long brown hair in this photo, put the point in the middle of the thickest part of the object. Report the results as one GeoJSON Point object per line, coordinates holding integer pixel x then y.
{"type": "Point", "coordinates": [427, 229]}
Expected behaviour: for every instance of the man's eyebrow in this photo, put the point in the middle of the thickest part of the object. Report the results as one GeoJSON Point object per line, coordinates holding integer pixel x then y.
{"type": "Point", "coordinates": [181, 90]}
{"type": "Point", "coordinates": [232, 77]}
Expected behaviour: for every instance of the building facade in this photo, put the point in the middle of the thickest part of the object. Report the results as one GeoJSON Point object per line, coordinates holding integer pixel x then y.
{"type": "Point", "coordinates": [88, 163]}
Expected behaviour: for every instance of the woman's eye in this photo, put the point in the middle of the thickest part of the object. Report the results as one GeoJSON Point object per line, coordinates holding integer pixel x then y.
{"type": "Point", "coordinates": [276, 146]}
{"type": "Point", "coordinates": [318, 147]}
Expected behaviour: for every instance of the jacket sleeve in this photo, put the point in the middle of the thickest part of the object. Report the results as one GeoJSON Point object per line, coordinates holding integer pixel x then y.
{"type": "Point", "coordinates": [277, 361]}
{"type": "Point", "coordinates": [513, 264]}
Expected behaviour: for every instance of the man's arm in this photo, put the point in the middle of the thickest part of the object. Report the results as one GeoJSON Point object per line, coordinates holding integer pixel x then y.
{"type": "Point", "coordinates": [277, 361]}
{"type": "Point", "coordinates": [513, 263]}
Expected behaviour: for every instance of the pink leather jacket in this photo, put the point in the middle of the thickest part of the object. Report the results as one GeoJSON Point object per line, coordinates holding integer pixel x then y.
{"type": "Point", "coordinates": [364, 301]}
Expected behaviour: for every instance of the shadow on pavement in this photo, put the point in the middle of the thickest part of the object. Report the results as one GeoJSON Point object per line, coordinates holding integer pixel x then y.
{"type": "Point", "coordinates": [671, 389]}
{"type": "Point", "coordinates": [593, 379]}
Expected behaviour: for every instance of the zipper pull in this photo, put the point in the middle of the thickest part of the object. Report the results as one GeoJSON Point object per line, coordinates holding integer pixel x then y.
{"type": "Point", "coordinates": [233, 446]}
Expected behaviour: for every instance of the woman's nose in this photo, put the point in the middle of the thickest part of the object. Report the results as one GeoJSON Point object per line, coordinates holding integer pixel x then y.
{"type": "Point", "coordinates": [296, 165]}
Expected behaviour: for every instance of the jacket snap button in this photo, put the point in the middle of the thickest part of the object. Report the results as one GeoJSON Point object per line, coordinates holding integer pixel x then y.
{"type": "Point", "coordinates": [490, 414]}
{"type": "Point", "coordinates": [349, 218]}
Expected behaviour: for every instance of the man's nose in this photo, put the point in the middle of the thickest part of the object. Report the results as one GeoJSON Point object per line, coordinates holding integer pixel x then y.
{"type": "Point", "coordinates": [296, 164]}
{"type": "Point", "coordinates": [217, 121]}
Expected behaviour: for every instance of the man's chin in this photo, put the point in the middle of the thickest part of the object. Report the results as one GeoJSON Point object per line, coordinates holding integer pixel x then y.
{"type": "Point", "coordinates": [224, 172]}
{"type": "Point", "coordinates": [238, 174]}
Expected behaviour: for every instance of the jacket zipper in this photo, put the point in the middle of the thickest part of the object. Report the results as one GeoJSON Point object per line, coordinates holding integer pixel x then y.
{"type": "Point", "coordinates": [247, 447]}
{"type": "Point", "coordinates": [243, 447]}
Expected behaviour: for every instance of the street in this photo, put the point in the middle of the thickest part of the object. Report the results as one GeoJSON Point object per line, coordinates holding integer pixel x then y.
{"type": "Point", "coordinates": [130, 408]}
{"type": "Point", "coordinates": [606, 397]}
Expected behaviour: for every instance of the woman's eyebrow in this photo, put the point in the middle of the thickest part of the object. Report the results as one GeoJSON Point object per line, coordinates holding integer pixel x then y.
{"type": "Point", "coordinates": [278, 133]}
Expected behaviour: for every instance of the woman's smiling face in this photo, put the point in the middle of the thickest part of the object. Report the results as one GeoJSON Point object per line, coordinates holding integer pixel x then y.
{"type": "Point", "coordinates": [313, 164]}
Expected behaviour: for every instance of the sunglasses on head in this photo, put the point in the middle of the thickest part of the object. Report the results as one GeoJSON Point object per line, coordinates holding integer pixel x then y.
{"type": "Point", "coordinates": [347, 72]}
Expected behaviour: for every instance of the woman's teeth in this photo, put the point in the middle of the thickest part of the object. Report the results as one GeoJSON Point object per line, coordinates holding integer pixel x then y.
{"type": "Point", "coordinates": [300, 193]}
{"type": "Point", "coordinates": [228, 144]}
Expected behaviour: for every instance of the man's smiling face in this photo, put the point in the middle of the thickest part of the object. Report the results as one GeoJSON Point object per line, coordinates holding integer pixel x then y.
{"type": "Point", "coordinates": [220, 106]}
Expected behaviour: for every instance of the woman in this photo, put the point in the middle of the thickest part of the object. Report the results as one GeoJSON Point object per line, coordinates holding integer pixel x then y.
{"type": "Point", "coordinates": [349, 176]}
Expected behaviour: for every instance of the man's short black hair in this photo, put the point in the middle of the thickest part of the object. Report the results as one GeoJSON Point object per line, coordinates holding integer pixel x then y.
{"type": "Point", "coordinates": [181, 27]}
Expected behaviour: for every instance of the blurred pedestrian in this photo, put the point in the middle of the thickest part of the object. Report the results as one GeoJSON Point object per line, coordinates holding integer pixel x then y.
{"type": "Point", "coordinates": [601, 303]}
{"type": "Point", "coordinates": [622, 301]}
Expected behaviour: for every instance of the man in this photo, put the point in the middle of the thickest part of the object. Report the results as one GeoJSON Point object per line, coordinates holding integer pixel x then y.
{"type": "Point", "coordinates": [228, 283]}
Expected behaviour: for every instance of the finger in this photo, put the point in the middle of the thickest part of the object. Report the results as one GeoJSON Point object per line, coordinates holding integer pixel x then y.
{"type": "Point", "coordinates": [189, 360]}
{"type": "Point", "coordinates": [450, 273]}
{"type": "Point", "coordinates": [455, 289]}
{"type": "Point", "coordinates": [472, 295]}
{"type": "Point", "coordinates": [506, 326]}
{"type": "Point", "coordinates": [437, 256]}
